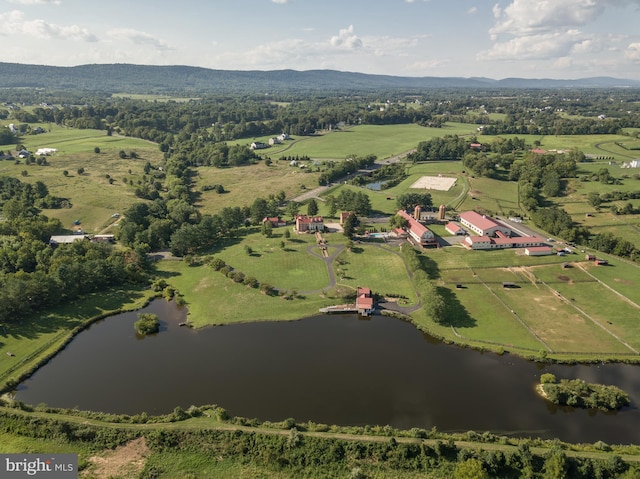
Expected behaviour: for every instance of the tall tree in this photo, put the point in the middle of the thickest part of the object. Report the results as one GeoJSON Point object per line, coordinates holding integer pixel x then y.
{"type": "Point", "coordinates": [312, 207]}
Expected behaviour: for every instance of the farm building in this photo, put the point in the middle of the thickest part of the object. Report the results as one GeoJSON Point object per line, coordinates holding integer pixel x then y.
{"type": "Point", "coordinates": [65, 239]}
{"type": "Point", "coordinates": [274, 141]}
{"type": "Point", "coordinates": [454, 229]}
{"type": "Point", "coordinates": [481, 224]}
{"type": "Point", "coordinates": [418, 232]}
{"type": "Point", "coordinates": [306, 223]}
{"type": "Point", "coordinates": [258, 145]}
{"type": "Point", "coordinates": [538, 251]}
{"type": "Point", "coordinates": [484, 242]}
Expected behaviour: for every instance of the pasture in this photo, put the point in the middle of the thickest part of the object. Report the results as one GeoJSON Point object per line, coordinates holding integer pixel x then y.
{"type": "Point", "coordinates": [244, 184]}
{"type": "Point", "coordinates": [107, 184]}
{"type": "Point", "coordinates": [561, 310]}
{"type": "Point", "coordinates": [383, 141]}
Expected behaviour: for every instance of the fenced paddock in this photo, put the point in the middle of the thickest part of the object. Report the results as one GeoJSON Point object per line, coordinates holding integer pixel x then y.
{"type": "Point", "coordinates": [442, 183]}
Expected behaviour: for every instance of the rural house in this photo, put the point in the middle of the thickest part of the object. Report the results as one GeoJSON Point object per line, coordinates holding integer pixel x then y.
{"type": "Point", "coordinates": [306, 223]}
{"type": "Point", "coordinates": [275, 221]}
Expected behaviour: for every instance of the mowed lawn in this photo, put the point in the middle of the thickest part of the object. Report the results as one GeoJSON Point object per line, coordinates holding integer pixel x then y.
{"type": "Point", "coordinates": [213, 299]}
{"type": "Point", "coordinates": [378, 268]}
{"type": "Point", "coordinates": [293, 267]}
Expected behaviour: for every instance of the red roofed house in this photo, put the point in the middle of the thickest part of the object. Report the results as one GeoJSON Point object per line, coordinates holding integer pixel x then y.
{"type": "Point", "coordinates": [419, 232]}
{"type": "Point", "coordinates": [481, 224]}
{"type": "Point", "coordinates": [306, 223]}
{"type": "Point", "coordinates": [364, 301]}
{"type": "Point", "coordinates": [275, 221]}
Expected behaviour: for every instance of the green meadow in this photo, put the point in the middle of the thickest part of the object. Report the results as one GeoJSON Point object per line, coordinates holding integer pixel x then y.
{"type": "Point", "coordinates": [107, 184]}
{"type": "Point", "coordinates": [382, 141]}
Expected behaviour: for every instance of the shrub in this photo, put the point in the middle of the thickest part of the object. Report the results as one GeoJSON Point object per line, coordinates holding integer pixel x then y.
{"type": "Point", "coordinates": [147, 324]}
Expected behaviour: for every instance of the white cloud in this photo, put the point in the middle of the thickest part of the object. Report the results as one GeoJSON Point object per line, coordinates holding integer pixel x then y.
{"type": "Point", "coordinates": [280, 2]}
{"type": "Point", "coordinates": [14, 21]}
{"type": "Point", "coordinates": [472, 10]}
{"type": "Point", "coordinates": [525, 17]}
{"type": "Point", "coordinates": [529, 47]}
{"type": "Point", "coordinates": [346, 39]}
{"type": "Point", "coordinates": [36, 2]}
{"type": "Point", "coordinates": [139, 38]}
{"type": "Point", "coordinates": [548, 29]}
{"type": "Point", "coordinates": [632, 52]}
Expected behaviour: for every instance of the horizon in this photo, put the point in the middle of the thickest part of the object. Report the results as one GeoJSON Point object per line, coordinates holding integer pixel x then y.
{"type": "Point", "coordinates": [325, 70]}
{"type": "Point", "coordinates": [560, 39]}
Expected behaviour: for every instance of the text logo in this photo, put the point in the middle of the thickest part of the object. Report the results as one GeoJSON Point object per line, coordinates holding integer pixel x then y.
{"type": "Point", "coordinates": [45, 466]}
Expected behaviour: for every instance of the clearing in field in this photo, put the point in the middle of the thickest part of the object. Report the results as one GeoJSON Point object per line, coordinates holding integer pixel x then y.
{"type": "Point", "coordinates": [441, 183]}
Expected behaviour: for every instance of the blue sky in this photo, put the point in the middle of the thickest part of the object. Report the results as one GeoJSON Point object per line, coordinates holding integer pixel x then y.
{"type": "Point", "coordinates": [467, 38]}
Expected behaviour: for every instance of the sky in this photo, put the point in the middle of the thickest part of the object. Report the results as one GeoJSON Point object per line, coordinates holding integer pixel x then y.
{"type": "Point", "coordinates": [563, 39]}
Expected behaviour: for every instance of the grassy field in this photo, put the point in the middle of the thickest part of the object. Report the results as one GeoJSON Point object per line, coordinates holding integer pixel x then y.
{"type": "Point", "coordinates": [296, 266]}
{"type": "Point", "coordinates": [94, 199]}
{"type": "Point", "coordinates": [382, 141]}
{"type": "Point", "coordinates": [602, 220]}
{"type": "Point", "coordinates": [244, 184]}
{"type": "Point", "coordinates": [378, 268]}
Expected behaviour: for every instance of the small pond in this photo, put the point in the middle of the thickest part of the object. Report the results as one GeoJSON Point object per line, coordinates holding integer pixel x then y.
{"type": "Point", "coordinates": [377, 185]}
{"type": "Point", "coordinates": [330, 369]}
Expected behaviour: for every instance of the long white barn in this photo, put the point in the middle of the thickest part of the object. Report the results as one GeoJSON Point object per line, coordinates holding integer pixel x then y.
{"type": "Point", "coordinates": [482, 225]}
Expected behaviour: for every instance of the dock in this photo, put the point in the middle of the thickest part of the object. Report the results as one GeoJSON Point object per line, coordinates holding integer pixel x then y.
{"type": "Point", "coordinates": [364, 305]}
{"type": "Point", "coordinates": [341, 308]}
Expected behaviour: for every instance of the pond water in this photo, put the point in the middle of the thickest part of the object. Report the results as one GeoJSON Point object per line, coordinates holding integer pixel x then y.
{"type": "Point", "coordinates": [376, 186]}
{"type": "Point", "coordinates": [330, 369]}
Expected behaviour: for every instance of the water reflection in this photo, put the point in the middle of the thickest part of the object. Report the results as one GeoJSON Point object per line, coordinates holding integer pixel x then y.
{"type": "Point", "coordinates": [329, 369]}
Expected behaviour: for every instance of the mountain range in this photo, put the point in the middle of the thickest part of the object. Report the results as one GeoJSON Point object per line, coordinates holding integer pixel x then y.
{"type": "Point", "coordinates": [135, 79]}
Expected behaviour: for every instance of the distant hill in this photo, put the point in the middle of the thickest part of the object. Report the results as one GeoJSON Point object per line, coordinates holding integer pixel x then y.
{"type": "Point", "coordinates": [126, 78]}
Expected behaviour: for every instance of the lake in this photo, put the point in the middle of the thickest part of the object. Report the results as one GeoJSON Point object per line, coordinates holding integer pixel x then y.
{"type": "Point", "coordinates": [329, 369]}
